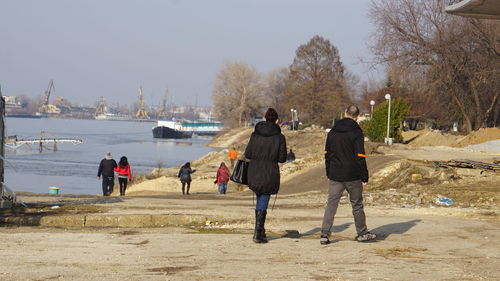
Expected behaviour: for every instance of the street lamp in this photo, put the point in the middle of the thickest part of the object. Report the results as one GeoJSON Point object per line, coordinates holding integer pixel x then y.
{"type": "Point", "coordinates": [295, 118]}
{"type": "Point", "coordinates": [372, 103]}
{"type": "Point", "coordinates": [387, 139]}
{"type": "Point", "coordinates": [292, 110]}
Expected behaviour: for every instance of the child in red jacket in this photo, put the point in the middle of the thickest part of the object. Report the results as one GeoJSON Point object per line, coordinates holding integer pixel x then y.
{"type": "Point", "coordinates": [124, 174]}
{"type": "Point", "coordinates": [222, 178]}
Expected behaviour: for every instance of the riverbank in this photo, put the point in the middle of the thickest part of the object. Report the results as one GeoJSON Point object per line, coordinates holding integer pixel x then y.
{"type": "Point", "coordinates": [155, 233]}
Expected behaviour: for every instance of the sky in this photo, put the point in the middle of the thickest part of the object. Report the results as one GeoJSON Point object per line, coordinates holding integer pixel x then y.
{"type": "Point", "coordinates": [110, 48]}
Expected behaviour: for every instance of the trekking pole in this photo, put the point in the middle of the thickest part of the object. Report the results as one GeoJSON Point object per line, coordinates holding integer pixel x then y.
{"type": "Point", "coordinates": [275, 197]}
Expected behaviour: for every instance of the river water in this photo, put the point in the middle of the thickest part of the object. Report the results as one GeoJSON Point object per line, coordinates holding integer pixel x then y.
{"type": "Point", "coordinates": [73, 168]}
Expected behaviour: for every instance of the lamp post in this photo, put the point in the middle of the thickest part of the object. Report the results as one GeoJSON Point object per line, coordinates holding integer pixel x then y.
{"type": "Point", "coordinates": [292, 110]}
{"type": "Point", "coordinates": [387, 139]}
{"type": "Point", "coordinates": [372, 103]}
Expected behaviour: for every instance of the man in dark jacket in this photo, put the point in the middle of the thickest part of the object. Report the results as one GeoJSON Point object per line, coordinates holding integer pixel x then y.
{"type": "Point", "coordinates": [106, 169]}
{"type": "Point", "coordinates": [267, 147]}
{"type": "Point", "coordinates": [346, 169]}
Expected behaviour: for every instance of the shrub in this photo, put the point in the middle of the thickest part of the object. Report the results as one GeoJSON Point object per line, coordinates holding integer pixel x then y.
{"type": "Point", "coordinates": [376, 129]}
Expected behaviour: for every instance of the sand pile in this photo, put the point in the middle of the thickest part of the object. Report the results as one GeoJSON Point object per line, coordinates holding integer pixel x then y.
{"type": "Point", "coordinates": [235, 137]}
{"type": "Point", "coordinates": [428, 137]}
{"type": "Point", "coordinates": [479, 136]}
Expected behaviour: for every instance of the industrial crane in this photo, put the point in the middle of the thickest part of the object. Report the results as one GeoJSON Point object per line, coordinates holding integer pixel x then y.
{"type": "Point", "coordinates": [162, 113]}
{"type": "Point", "coordinates": [45, 107]}
{"type": "Point", "coordinates": [100, 108]}
{"type": "Point", "coordinates": [141, 112]}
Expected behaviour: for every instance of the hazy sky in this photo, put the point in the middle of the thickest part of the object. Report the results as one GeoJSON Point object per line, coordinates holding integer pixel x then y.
{"type": "Point", "coordinates": [109, 48]}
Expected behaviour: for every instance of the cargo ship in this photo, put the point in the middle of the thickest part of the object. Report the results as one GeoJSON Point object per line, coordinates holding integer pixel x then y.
{"type": "Point", "coordinates": [173, 129]}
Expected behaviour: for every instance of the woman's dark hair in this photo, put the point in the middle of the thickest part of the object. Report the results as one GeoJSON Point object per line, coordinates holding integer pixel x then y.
{"type": "Point", "coordinates": [271, 115]}
{"type": "Point", "coordinates": [222, 164]}
{"type": "Point", "coordinates": [187, 165]}
{"type": "Point", "coordinates": [123, 162]}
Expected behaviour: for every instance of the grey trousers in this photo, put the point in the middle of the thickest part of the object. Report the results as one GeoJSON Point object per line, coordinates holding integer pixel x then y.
{"type": "Point", "coordinates": [335, 190]}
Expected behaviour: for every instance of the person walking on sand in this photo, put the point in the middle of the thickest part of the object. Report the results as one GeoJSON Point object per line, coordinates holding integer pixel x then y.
{"type": "Point", "coordinates": [124, 174]}
{"type": "Point", "coordinates": [266, 147]}
{"type": "Point", "coordinates": [106, 169]}
{"type": "Point", "coordinates": [185, 177]}
{"type": "Point", "coordinates": [346, 170]}
{"type": "Point", "coordinates": [290, 157]}
{"type": "Point", "coordinates": [222, 178]}
{"type": "Point", "coordinates": [233, 155]}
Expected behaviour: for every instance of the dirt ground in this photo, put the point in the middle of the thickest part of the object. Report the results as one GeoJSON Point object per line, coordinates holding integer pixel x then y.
{"type": "Point", "coordinates": [413, 244]}
{"type": "Point", "coordinates": [418, 239]}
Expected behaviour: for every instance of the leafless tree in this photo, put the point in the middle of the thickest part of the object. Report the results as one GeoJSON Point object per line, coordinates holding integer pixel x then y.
{"type": "Point", "coordinates": [275, 87]}
{"type": "Point", "coordinates": [237, 93]}
{"type": "Point", "coordinates": [317, 84]}
{"type": "Point", "coordinates": [457, 58]}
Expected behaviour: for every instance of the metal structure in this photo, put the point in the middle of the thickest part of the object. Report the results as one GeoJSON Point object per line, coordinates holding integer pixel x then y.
{"type": "Point", "coordinates": [2, 135]}
{"type": "Point", "coordinates": [7, 196]}
{"type": "Point", "coordinates": [46, 107]}
{"type": "Point", "coordinates": [14, 143]}
{"type": "Point", "coordinates": [141, 112]}
{"type": "Point", "coordinates": [100, 108]}
{"type": "Point", "coordinates": [484, 9]}
{"type": "Point", "coordinates": [162, 113]}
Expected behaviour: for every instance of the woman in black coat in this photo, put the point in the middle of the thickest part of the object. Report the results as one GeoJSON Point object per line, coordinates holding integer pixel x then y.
{"type": "Point", "coordinates": [185, 176]}
{"type": "Point", "coordinates": [267, 147]}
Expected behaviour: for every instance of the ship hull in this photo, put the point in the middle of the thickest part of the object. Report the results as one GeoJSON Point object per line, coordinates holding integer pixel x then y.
{"type": "Point", "coordinates": [162, 132]}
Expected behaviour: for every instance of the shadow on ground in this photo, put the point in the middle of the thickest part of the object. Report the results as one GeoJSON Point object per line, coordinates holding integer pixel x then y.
{"type": "Point", "coordinates": [385, 231]}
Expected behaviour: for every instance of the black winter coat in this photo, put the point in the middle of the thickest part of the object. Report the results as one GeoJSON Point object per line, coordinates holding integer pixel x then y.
{"type": "Point", "coordinates": [107, 168]}
{"type": "Point", "coordinates": [185, 174]}
{"type": "Point", "coordinates": [345, 157]}
{"type": "Point", "coordinates": [267, 147]}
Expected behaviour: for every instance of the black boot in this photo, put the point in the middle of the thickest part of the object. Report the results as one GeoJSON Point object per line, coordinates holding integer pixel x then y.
{"type": "Point", "coordinates": [260, 231]}
{"type": "Point", "coordinates": [255, 229]}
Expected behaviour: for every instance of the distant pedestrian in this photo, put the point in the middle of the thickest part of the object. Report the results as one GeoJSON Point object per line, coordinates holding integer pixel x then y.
{"type": "Point", "coordinates": [222, 178]}
{"type": "Point", "coordinates": [266, 147]}
{"type": "Point", "coordinates": [290, 157]}
{"type": "Point", "coordinates": [106, 169]}
{"type": "Point", "coordinates": [124, 174]}
{"type": "Point", "coordinates": [233, 155]}
{"type": "Point", "coordinates": [185, 177]}
{"type": "Point", "coordinates": [346, 169]}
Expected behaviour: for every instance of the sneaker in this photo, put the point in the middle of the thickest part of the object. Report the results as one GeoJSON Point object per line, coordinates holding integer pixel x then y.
{"type": "Point", "coordinates": [323, 239]}
{"type": "Point", "coordinates": [366, 237]}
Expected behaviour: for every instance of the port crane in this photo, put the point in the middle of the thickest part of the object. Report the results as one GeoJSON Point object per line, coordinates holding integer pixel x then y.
{"type": "Point", "coordinates": [46, 107]}
{"type": "Point", "coordinates": [141, 112]}
{"type": "Point", "coordinates": [100, 107]}
{"type": "Point", "coordinates": [162, 113]}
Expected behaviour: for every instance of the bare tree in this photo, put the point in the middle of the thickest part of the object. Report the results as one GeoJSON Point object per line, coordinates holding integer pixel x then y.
{"type": "Point", "coordinates": [458, 58]}
{"type": "Point", "coordinates": [276, 84]}
{"type": "Point", "coordinates": [317, 84]}
{"type": "Point", "coordinates": [237, 93]}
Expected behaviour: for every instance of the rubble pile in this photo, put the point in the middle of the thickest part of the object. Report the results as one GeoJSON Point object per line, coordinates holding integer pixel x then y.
{"type": "Point", "coordinates": [407, 183]}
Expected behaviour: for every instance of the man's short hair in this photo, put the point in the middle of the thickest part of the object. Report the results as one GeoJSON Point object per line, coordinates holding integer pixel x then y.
{"type": "Point", "coordinates": [271, 115]}
{"type": "Point", "coordinates": [352, 111]}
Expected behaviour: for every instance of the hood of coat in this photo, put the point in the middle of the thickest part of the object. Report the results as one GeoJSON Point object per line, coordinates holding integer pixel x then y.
{"type": "Point", "coordinates": [267, 129]}
{"type": "Point", "coordinates": [346, 125]}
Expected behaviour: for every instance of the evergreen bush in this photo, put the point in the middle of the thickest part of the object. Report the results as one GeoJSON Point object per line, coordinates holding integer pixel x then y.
{"type": "Point", "coordinates": [376, 129]}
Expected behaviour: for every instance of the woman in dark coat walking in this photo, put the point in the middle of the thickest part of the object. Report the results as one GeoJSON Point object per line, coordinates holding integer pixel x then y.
{"type": "Point", "coordinates": [185, 176]}
{"type": "Point", "coordinates": [267, 147]}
